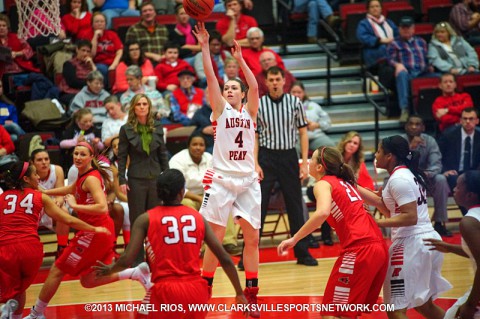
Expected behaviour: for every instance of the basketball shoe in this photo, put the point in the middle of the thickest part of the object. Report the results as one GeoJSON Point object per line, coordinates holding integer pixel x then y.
{"type": "Point", "coordinates": [142, 275]}
{"type": "Point", "coordinates": [7, 310]}
{"type": "Point", "coordinates": [34, 315]}
{"type": "Point", "coordinates": [251, 295]}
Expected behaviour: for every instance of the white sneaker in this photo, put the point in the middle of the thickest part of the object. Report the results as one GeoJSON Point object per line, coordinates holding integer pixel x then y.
{"type": "Point", "coordinates": [8, 309]}
{"type": "Point", "coordinates": [142, 275]}
{"type": "Point", "coordinates": [34, 315]}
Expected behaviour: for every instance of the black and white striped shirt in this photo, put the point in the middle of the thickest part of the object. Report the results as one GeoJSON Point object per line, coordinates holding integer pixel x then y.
{"type": "Point", "coordinates": [278, 122]}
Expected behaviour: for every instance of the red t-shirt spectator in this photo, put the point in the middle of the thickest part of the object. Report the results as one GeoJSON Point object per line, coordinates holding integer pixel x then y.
{"type": "Point", "coordinates": [74, 26]}
{"type": "Point", "coordinates": [108, 45]}
{"type": "Point", "coordinates": [252, 58]}
{"type": "Point", "coordinates": [243, 24]}
{"type": "Point", "coordinates": [455, 104]}
{"type": "Point", "coordinates": [168, 73]}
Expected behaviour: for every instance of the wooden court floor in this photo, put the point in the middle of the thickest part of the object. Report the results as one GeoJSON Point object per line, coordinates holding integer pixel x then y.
{"type": "Point", "coordinates": [281, 281]}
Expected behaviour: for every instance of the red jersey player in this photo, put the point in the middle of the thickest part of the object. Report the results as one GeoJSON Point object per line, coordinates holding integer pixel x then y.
{"type": "Point", "coordinates": [21, 252]}
{"type": "Point", "coordinates": [85, 249]}
{"type": "Point", "coordinates": [174, 235]}
{"type": "Point", "coordinates": [356, 278]}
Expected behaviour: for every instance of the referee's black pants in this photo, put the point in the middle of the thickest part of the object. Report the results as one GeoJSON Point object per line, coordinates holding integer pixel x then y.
{"type": "Point", "coordinates": [282, 166]}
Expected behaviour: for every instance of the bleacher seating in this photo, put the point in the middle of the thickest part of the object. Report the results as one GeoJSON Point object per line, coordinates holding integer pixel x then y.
{"type": "Point", "coordinates": [470, 83]}
{"type": "Point", "coordinates": [435, 11]}
{"type": "Point", "coordinates": [395, 10]}
{"type": "Point", "coordinates": [424, 93]}
{"type": "Point", "coordinates": [351, 14]}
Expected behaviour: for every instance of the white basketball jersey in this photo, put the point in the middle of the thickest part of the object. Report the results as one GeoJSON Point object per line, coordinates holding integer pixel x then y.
{"type": "Point", "coordinates": [403, 188]}
{"type": "Point", "coordinates": [234, 134]}
{"type": "Point", "coordinates": [474, 213]}
{"type": "Point", "coordinates": [49, 183]}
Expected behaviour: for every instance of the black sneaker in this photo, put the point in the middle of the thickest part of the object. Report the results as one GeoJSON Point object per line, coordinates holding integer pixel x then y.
{"type": "Point", "coordinates": [312, 243]}
{"type": "Point", "coordinates": [307, 261]}
{"type": "Point", "coordinates": [442, 230]}
{"type": "Point", "coordinates": [328, 242]}
{"type": "Point", "coordinates": [240, 264]}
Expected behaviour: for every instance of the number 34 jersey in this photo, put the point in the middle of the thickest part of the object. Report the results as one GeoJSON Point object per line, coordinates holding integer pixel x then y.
{"type": "Point", "coordinates": [174, 238]}
{"type": "Point", "coordinates": [20, 211]}
{"type": "Point", "coordinates": [403, 188]}
{"type": "Point", "coordinates": [234, 133]}
{"type": "Point", "coordinates": [352, 223]}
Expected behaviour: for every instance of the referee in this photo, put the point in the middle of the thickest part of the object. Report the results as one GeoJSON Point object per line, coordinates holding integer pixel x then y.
{"type": "Point", "coordinates": [280, 117]}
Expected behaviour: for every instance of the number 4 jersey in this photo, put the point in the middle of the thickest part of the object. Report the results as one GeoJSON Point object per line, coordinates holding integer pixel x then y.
{"type": "Point", "coordinates": [174, 238]}
{"type": "Point", "coordinates": [403, 188]}
{"type": "Point", "coordinates": [234, 134]}
{"type": "Point", "coordinates": [20, 211]}
{"type": "Point", "coordinates": [351, 221]}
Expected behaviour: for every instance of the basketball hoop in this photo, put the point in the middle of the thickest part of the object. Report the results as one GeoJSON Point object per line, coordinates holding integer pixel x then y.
{"type": "Point", "coordinates": [38, 17]}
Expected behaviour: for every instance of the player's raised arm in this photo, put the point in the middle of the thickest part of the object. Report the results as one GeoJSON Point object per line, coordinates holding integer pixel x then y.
{"type": "Point", "coordinates": [252, 98]}
{"type": "Point", "coordinates": [215, 95]}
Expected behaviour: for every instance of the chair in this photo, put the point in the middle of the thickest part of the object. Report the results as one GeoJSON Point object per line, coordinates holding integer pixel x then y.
{"type": "Point", "coordinates": [121, 25]}
{"type": "Point", "coordinates": [351, 14]}
{"type": "Point", "coordinates": [424, 30]}
{"type": "Point", "coordinates": [470, 83]}
{"type": "Point", "coordinates": [177, 137]}
{"type": "Point", "coordinates": [395, 10]}
{"type": "Point", "coordinates": [432, 8]}
{"type": "Point", "coordinates": [424, 93]}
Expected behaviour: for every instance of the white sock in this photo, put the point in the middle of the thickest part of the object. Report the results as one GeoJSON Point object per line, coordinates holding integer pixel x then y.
{"type": "Point", "coordinates": [126, 274]}
{"type": "Point", "coordinates": [40, 307]}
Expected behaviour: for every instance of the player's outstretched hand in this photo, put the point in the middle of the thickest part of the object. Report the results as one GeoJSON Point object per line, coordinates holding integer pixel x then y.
{"type": "Point", "coordinates": [237, 51]}
{"type": "Point", "coordinates": [102, 230]}
{"type": "Point", "coordinates": [102, 269]}
{"type": "Point", "coordinates": [436, 244]}
{"type": "Point", "coordinates": [201, 33]}
{"type": "Point", "coordinates": [285, 245]}
{"type": "Point", "coordinates": [242, 300]}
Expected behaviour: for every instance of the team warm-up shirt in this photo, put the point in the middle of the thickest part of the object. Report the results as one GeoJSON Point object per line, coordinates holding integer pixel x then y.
{"type": "Point", "coordinates": [174, 239]}
{"type": "Point", "coordinates": [20, 211]}
{"type": "Point", "coordinates": [51, 179]}
{"type": "Point", "coordinates": [234, 134]}
{"type": "Point", "coordinates": [86, 198]}
{"type": "Point", "coordinates": [348, 217]}
{"type": "Point", "coordinates": [403, 188]}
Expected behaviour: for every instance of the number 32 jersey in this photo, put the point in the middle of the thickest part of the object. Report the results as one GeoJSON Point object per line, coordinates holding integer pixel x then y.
{"type": "Point", "coordinates": [20, 211]}
{"type": "Point", "coordinates": [174, 238]}
{"type": "Point", "coordinates": [234, 134]}
{"type": "Point", "coordinates": [403, 188]}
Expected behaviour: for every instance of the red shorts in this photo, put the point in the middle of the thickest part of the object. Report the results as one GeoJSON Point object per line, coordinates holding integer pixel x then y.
{"type": "Point", "coordinates": [175, 292]}
{"type": "Point", "coordinates": [20, 262]}
{"type": "Point", "coordinates": [84, 250]}
{"type": "Point", "coordinates": [357, 278]}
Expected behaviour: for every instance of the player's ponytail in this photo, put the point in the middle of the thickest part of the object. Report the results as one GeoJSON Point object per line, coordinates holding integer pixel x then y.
{"type": "Point", "coordinates": [14, 174]}
{"type": "Point", "coordinates": [169, 184]}
{"type": "Point", "coordinates": [332, 161]}
{"type": "Point", "coordinates": [398, 146]}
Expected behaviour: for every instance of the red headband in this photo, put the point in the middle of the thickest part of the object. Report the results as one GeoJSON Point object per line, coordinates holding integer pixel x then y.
{"type": "Point", "coordinates": [321, 157]}
{"type": "Point", "coordinates": [24, 170]}
{"type": "Point", "coordinates": [85, 144]}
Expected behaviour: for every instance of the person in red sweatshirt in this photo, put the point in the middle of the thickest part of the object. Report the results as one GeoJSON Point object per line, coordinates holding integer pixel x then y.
{"type": "Point", "coordinates": [448, 107]}
{"type": "Point", "coordinates": [6, 143]}
{"type": "Point", "coordinates": [169, 67]}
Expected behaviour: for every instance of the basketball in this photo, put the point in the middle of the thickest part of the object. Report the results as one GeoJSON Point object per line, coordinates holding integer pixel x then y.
{"type": "Point", "coordinates": [198, 9]}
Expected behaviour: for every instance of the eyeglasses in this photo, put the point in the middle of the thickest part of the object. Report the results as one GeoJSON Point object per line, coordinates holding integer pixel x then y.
{"type": "Point", "coordinates": [266, 60]}
{"type": "Point", "coordinates": [134, 49]}
{"type": "Point", "coordinates": [254, 38]}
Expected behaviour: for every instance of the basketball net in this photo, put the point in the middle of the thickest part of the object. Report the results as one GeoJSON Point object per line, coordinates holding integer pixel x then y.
{"type": "Point", "coordinates": [38, 17]}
